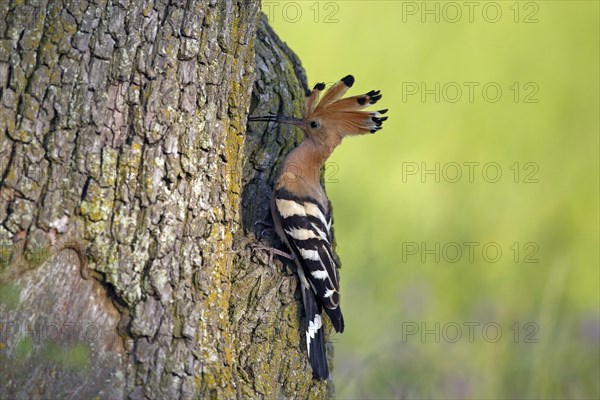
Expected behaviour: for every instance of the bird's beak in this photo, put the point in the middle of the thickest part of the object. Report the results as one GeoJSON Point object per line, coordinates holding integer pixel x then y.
{"type": "Point", "coordinates": [279, 118]}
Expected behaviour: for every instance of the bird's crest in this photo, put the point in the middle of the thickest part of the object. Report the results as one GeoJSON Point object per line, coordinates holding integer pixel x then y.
{"type": "Point", "coordinates": [334, 116]}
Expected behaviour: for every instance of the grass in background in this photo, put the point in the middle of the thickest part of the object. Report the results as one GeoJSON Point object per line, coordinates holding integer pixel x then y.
{"type": "Point", "coordinates": [542, 134]}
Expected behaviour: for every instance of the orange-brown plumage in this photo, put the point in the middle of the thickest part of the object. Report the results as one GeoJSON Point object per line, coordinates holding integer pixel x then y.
{"type": "Point", "coordinates": [325, 123]}
{"type": "Point", "coordinates": [336, 117]}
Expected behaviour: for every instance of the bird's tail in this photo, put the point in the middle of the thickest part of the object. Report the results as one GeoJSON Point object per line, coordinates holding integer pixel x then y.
{"type": "Point", "coordinates": [315, 340]}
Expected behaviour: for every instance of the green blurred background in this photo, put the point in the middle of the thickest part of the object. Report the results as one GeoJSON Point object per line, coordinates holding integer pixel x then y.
{"type": "Point", "coordinates": [425, 316]}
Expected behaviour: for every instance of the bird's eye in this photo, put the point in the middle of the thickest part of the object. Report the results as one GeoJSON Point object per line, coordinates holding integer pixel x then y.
{"type": "Point", "coordinates": [313, 124]}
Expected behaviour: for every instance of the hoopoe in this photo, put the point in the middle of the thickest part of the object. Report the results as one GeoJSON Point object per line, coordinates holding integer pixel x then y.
{"type": "Point", "coordinates": [300, 208]}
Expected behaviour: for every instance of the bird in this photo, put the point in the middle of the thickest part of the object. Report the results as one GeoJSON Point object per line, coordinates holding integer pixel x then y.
{"type": "Point", "coordinates": [300, 208]}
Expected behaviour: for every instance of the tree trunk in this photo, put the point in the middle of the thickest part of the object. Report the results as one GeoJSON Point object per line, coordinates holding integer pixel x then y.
{"type": "Point", "coordinates": [130, 189]}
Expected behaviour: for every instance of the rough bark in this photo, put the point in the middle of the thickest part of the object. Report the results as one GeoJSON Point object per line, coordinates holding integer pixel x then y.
{"type": "Point", "coordinates": [130, 189]}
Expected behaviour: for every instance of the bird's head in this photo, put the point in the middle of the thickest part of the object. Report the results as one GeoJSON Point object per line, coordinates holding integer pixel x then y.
{"type": "Point", "coordinates": [334, 117]}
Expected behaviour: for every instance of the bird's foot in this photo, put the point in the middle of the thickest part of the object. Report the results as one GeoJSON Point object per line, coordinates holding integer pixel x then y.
{"type": "Point", "coordinates": [272, 251]}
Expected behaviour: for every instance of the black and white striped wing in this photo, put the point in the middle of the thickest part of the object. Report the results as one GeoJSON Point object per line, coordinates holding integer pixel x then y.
{"type": "Point", "coordinates": [307, 227]}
